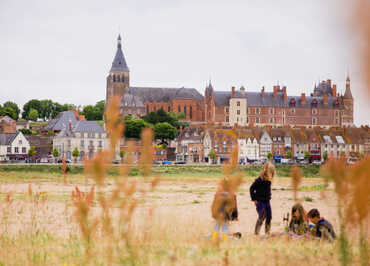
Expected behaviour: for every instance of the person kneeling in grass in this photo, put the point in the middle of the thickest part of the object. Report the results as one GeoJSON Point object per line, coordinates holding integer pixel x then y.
{"type": "Point", "coordinates": [298, 224]}
{"type": "Point", "coordinates": [224, 209]}
{"type": "Point", "coordinates": [323, 229]}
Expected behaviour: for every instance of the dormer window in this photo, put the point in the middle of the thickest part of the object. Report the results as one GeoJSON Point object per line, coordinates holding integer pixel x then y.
{"type": "Point", "coordinates": [292, 102]}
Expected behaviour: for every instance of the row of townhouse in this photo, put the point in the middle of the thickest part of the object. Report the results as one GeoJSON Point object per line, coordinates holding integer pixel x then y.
{"type": "Point", "coordinates": [196, 144]}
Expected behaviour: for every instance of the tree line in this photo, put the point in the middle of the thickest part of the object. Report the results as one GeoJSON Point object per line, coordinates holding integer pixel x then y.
{"type": "Point", "coordinates": [47, 109]}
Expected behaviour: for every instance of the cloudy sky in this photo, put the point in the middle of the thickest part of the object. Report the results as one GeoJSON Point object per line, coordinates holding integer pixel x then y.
{"type": "Point", "coordinates": [63, 50]}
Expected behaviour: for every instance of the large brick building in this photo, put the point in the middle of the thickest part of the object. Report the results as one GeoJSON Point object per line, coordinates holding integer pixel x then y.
{"type": "Point", "coordinates": [324, 107]}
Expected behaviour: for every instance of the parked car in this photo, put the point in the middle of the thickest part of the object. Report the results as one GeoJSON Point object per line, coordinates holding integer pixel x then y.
{"type": "Point", "coordinates": [165, 162]}
{"type": "Point", "coordinates": [61, 161]}
{"type": "Point", "coordinates": [180, 162]}
{"type": "Point", "coordinates": [156, 162]}
{"type": "Point", "coordinates": [316, 162]}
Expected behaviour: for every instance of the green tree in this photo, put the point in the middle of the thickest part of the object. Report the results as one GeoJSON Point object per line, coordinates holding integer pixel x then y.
{"type": "Point", "coordinates": [164, 131]}
{"type": "Point", "coordinates": [289, 154]}
{"type": "Point", "coordinates": [46, 110]}
{"type": "Point", "coordinates": [31, 152]}
{"type": "Point", "coordinates": [55, 154]}
{"type": "Point", "coordinates": [121, 155]}
{"type": "Point", "coordinates": [33, 115]}
{"type": "Point", "coordinates": [269, 156]}
{"type": "Point", "coordinates": [134, 126]}
{"type": "Point", "coordinates": [10, 112]}
{"type": "Point", "coordinates": [26, 131]}
{"type": "Point", "coordinates": [32, 104]}
{"type": "Point", "coordinates": [76, 154]}
{"type": "Point", "coordinates": [212, 155]}
{"type": "Point", "coordinates": [325, 155]}
{"type": "Point", "coordinates": [57, 108]}
{"type": "Point", "coordinates": [306, 155]}
{"type": "Point", "coordinates": [99, 110]}
{"type": "Point", "coordinates": [89, 112]}
{"type": "Point", "coordinates": [14, 107]}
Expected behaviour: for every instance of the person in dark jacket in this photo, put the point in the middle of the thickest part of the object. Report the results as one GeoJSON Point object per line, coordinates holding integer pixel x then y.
{"type": "Point", "coordinates": [260, 192]}
{"type": "Point", "coordinates": [324, 229]}
{"type": "Point", "coordinates": [224, 209]}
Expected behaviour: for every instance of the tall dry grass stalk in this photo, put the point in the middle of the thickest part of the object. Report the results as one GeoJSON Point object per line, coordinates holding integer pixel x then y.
{"type": "Point", "coordinates": [102, 229]}
{"type": "Point", "coordinates": [296, 179]}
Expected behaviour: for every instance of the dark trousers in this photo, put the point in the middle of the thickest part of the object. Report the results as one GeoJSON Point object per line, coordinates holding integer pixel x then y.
{"type": "Point", "coordinates": [264, 213]}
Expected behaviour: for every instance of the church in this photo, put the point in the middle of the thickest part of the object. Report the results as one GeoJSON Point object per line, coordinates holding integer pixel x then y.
{"type": "Point", "coordinates": [323, 107]}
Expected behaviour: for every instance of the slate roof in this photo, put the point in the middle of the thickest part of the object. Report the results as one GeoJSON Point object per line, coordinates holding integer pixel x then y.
{"type": "Point", "coordinates": [87, 126]}
{"type": "Point", "coordinates": [81, 126]}
{"type": "Point", "coordinates": [157, 94]}
{"type": "Point", "coordinates": [119, 62]}
{"type": "Point", "coordinates": [7, 138]}
{"type": "Point", "coordinates": [130, 100]}
{"type": "Point", "coordinates": [61, 121]}
{"type": "Point", "coordinates": [254, 99]}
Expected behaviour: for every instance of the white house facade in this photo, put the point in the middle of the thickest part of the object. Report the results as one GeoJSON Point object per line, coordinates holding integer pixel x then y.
{"type": "Point", "coordinates": [265, 145]}
{"type": "Point", "coordinates": [248, 149]}
{"type": "Point", "coordinates": [13, 146]}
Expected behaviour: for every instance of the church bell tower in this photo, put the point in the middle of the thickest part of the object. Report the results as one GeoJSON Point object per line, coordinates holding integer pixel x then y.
{"type": "Point", "coordinates": [118, 80]}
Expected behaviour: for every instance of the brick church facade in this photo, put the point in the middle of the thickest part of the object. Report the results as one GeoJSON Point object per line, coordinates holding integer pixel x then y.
{"type": "Point", "coordinates": [324, 107]}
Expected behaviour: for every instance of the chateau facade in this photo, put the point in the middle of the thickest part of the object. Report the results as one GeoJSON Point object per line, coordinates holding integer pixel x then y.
{"type": "Point", "coordinates": [324, 107]}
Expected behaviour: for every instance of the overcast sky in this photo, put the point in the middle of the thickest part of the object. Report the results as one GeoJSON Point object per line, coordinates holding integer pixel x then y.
{"type": "Point", "coordinates": [63, 50]}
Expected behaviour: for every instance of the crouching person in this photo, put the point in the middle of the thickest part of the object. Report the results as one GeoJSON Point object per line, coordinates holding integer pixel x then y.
{"type": "Point", "coordinates": [323, 229]}
{"type": "Point", "coordinates": [224, 210]}
{"type": "Point", "coordinates": [298, 224]}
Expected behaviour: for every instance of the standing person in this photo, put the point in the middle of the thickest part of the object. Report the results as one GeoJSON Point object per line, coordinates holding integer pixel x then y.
{"type": "Point", "coordinates": [224, 209]}
{"type": "Point", "coordinates": [260, 192]}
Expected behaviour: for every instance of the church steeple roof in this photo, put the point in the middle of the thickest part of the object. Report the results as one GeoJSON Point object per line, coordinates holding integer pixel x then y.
{"type": "Point", "coordinates": [119, 62]}
{"type": "Point", "coordinates": [348, 93]}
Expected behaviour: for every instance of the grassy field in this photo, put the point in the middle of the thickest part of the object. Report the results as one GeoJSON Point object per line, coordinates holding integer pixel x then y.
{"type": "Point", "coordinates": [166, 170]}
{"type": "Point", "coordinates": [42, 223]}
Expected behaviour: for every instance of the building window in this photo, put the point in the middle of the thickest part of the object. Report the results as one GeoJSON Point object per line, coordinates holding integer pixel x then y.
{"type": "Point", "coordinates": [258, 111]}
{"type": "Point", "coordinates": [336, 113]}
{"type": "Point", "coordinates": [314, 111]}
{"type": "Point", "coordinates": [24, 150]}
{"type": "Point", "coordinates": [69, 143]}
{"type": "Point", "coordinates": [227, 109]}
{"type": "Point", "coordinates": [237, 103]}
{"type": "Point", "coordinates": [314, 121]}
{"type": "Point", "coordinates": [257, 119]}
{"type": "Point", "coordinates": [169, 109]}
{"type": "Point", "coordinates": [247, 120]}
{"type": "Point", "coordinates": [185, 110]}
{"type": "Point", "coordinates": [100, 144]}
{"type": "Point", "coordinates": [227, 118]}
{"type": "Point", "coordinates": [82, 143]}
{"type": "Point", "coordinates": [271, 111]}
{"type": "Point", "coordinates": [271, 120]}
{"type": "Point", "coordinates": [91, 143]}
{"type": "Point", "coordinates": [16, 150]}
{"type": "Point", "coordinates": [292, 111]}
{"type": "Point", "coordinates": [178, 109]}
{"type": "Point", "coordinates": [238, 112]}
{"type": "Point", "coordinates": [191, 112]}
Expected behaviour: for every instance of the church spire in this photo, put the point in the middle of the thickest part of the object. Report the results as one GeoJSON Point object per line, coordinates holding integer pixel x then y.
{"type": "Point", "coordinates": [348, 93]}
{"type": "Point", "coordinates": [119, 62]}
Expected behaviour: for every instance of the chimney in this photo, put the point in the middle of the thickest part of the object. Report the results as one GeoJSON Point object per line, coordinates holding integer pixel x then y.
{"type": "Point", "coordinates": [69, 125]}
{"type": "Point", "coordinates": [263, 92]}
{"type": "Point", "coordinates": [334, 91]}
{"type": "Point", "coordinates": [303, 99]}
{"type": "Point", "coordinates": [285, 95]}
{"type": "Point", "coordinates": [275, 91]}
{"type": "Point", "coordinates": [232, 91]}
{"type": "Point", "coordinates": [242, 90]}
{"type": "Point", "coordinates": [325, 99]}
